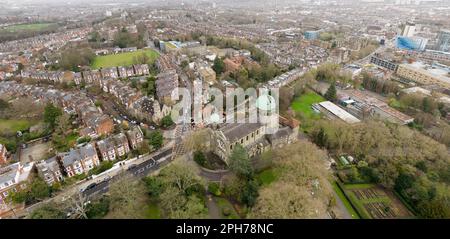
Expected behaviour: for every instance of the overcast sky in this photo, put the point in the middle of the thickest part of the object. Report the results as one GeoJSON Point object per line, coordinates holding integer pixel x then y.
{"type": "Point", "coordinates": [162, 1]}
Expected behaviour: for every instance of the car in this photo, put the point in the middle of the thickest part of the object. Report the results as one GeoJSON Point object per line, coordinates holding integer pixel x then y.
{"type": "Point", "coordinates": [132, 167]}
{"type": "Point", "coordinates": [91, 186]}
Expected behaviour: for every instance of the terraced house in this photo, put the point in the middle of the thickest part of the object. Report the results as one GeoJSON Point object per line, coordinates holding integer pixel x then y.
{"type": "Point", "coordinates": [50, 170]}
{"type": "Point", "coordinates": [80, 160]}
{"type": "Point", "coordinates": [135, 137]}
{"type": "Point", "coordinates": [113, 147]}
{"type": "Point", "coordinates": [13, 178]}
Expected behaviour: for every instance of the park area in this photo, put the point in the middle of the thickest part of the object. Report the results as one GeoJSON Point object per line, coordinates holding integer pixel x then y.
{"type": "Point", "coordinates": [303, 104]}
{"type": "Point", "coordinates": [14, 125]}
{"type": "Point", "coordinates": [8, 130]}
{"type": "Point", "coordinates": [375, 202]}
{"type": "Point", "coordinates": [123, 59]}
{"type": "Point", "coordinates": [28, 27]}
{"type": "Point", "coordinates": [267, 176]}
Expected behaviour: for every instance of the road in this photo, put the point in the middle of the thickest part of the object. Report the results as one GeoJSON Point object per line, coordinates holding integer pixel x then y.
{"type": "Point", "coordinates": [149, 165]}
{"type": "Point", "coordinates": [138, 167]}
{"type": "Point", "coordinates": [366, 60]}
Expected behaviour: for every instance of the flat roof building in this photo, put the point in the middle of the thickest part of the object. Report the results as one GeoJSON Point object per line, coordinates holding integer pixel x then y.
{"type": "Point", "coordinates": [334, 111]}
{"type": "Point", "coordinates": [424, 74]}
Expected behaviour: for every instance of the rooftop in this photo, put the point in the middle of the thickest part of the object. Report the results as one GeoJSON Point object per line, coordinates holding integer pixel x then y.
{"type": "Point", "coordinates": [339, 112]}
{"type": "Point", "coordinates": [236, 131]}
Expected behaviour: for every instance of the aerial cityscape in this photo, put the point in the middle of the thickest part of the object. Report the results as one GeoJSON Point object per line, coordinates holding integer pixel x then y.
{"type": "Point", "coordinates": [225, 109]}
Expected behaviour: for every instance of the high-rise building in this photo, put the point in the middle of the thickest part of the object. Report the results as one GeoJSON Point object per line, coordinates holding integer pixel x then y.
{"type": "Point", "coordinates": [311, 35]}
{"type": "Point", "coordinates": [409, 30]}
{"type": "Point", "coordinates": [411, 43]}
{"type": "Point", "coordinates": [443, 43]}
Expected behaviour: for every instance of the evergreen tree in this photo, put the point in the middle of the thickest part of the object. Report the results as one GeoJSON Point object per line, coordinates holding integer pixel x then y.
{"type": "Point", "coordinates": [331, 92]}
{"type": "Point", "coordinates": [219, 66]}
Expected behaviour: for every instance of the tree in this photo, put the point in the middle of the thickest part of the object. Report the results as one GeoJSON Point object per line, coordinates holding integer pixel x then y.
{"type": "Point", "coordinates": [199, 140]}
{"type": "Point", "coordinates": [123, 39]}
{"type": "Point", "coordinates": [184, 64]}
{"type": "Point", "coordinates": [331, 92]}
{"type": "Point", "coordinates": [126, 198]}
{"type": "Point", "coordinates": [94, 37]}
{"type": "Point", "coordinates": [167, 121]}
{"type": "Point", "coordinates": [156, 43]}
{"type": "Point", "coordinates": [194, 208]}
{"type": "Point", "coordinates": [286, 200]}
{"type": "Point", "coordinates": [79, 206]}
{"type": "Point", "coordinates": [302, 188]}
{"type": "Point", "coordinates": [171, 199]}
{"type": "Point", "coordinates": [72, 59]}
{"type": "Point", "coordinates": [181, 188]}
{"type": "Point", "coordinates": [3, 105]}
{"type": "Point", "coordinates": [181, 176]}
{"type": "Point", "coordinates": [63, 125]}
{"type": "Point", "coordinates": [214, 188]}
{"type": "Point", "coordinates": [156, 139]}
{"type": "Point", "coordinates": [151, 88]}
{"type": "Point", "coordinates": [154, 186]}
{"type": "Point", "coordinates": [250, 193]}
{"type": "Point", "coordinates": [47, 211]}
{"type": "Point", "coordinates": [199, 157]}
{"type": "Point", "coordinates": [239, 162]}
{"type": "Point", "coordinates": [98, 209]}
{"type": "Point", "coordinates": [51, 114]}
{"type": "Point", "coordinates": [141, 59]}
{"type": "Point", "coordinates": [37, 190]}
{"type": "Point", "coordinates": [399, 158]}
{"type": "Point", "coordinates": [286, 97]}
{"type": "Point", "coordinates": [218, 66]}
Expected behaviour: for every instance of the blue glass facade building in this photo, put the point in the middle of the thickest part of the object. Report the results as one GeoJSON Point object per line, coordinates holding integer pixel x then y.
{"type": "Point", "coordinates": [311, 35]}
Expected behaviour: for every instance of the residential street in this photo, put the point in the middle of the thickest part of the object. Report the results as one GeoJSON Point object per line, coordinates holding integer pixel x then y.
{"type": "Point", "coordinates": [139, 167]}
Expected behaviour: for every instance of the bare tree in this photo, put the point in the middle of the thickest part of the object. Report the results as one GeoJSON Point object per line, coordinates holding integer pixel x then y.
{"type": "Point", "coordinates": [181, 176]}
{"type": "Point", "coordinates": [126, 196]}
{"type": "Point", "coordinates": [199, 140]}
{"type": "Point", "coordinates": [79, 206]}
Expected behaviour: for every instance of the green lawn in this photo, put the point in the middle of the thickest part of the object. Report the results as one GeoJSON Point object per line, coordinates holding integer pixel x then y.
{"type": "Point", "coordinates": [396, 104]}
{"type": "Point", "coordinates": [345, 201]}
{"type": "Point", "coordinates": [28, 27]}
{"type": "Point", "coordinates": [224, 203]}
{"type": "Point", "coordinates": [153, 211]}
{"type": "Point", "coordinates": [170, 45]}
{"type": "Point", "coordinates": [63, 145]}
{"type": "Point", "coordinates": [304, 102]}
{"type": "Point", "coordinates": [359, 186]}
{"type": "Point", "coordinates": [122, 59]}
{"type": "Point", "coordinates": [14, 125]}
{"type": "Point", "coordinates": [266, 177]}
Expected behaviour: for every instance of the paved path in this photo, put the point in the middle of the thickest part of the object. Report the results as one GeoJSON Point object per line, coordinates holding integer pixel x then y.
{"type": "Point", "coordinates": [340, 205]}
{"type": "Point", "coordinates": [213, 209]}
